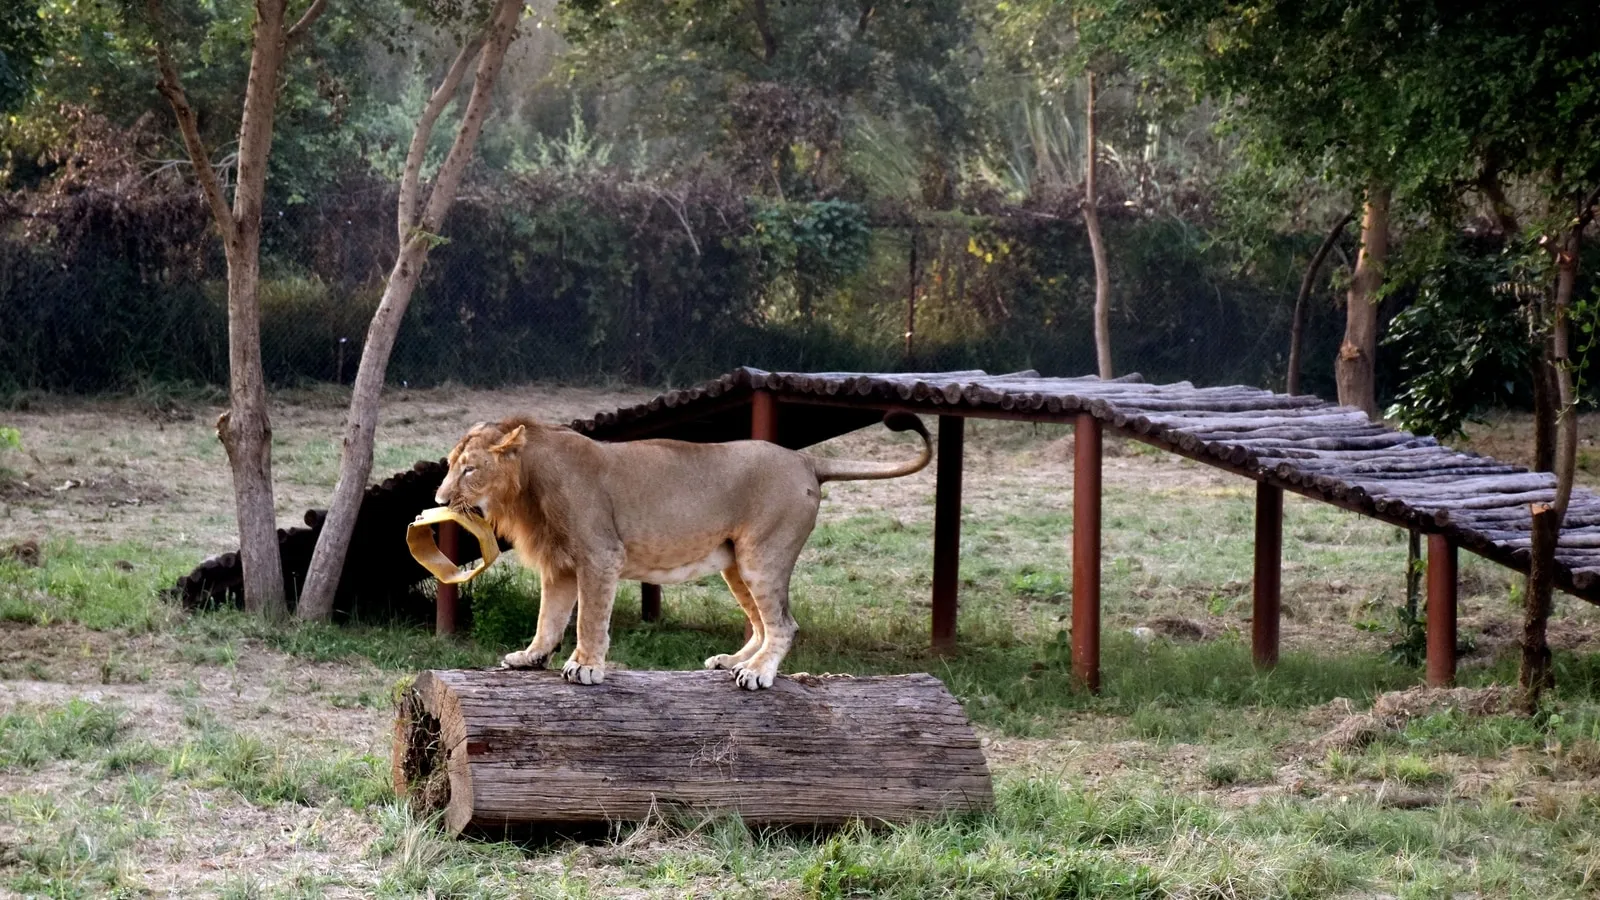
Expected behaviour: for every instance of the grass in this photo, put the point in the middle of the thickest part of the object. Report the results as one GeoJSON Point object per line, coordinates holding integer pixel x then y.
{"type": "Point", "coordinates": [1191, 774]}
{"type": "Point", "coordinates": [30, 736]}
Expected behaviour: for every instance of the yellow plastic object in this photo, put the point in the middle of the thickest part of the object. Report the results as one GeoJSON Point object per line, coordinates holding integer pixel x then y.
{"type": "Point", "coordinates": [419, 537]}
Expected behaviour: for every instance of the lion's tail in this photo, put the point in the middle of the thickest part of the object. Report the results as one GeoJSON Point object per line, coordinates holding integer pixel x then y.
{"type": "Point", "coordinates": [860, 470]}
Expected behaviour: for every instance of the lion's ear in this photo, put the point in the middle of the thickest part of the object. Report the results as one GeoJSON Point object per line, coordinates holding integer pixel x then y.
{"type": "Point", "coordinates": [511, 442]}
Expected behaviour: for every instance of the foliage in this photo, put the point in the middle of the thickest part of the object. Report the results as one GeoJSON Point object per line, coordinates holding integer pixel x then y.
{"type": "Point", "coordinates": [10, 438]}
{"type": "Point", "coordinates": [771, 84]}
{"type": "Point", "coordinates": [22, 43]}
{"type": "Point", "coordinates": [1464, 343]}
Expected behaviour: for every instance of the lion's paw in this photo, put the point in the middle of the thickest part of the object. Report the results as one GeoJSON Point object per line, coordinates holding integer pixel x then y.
{"type": "Point", "coordinates": [579, 674]}
{"type": "Point", "coordinates": [752, 678]}
{"type": "Point", "coordinates": [722, 661]}
{"type": "Point", "coordinates": [522, 659]}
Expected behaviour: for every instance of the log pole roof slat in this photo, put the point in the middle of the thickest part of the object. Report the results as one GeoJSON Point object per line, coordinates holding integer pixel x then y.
{"type": "Point", "coordinates": [1299, 443]}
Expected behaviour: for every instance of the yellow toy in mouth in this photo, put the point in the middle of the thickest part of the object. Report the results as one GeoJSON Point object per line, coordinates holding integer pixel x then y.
{"type": "Point", "coordinates": [419, 537]}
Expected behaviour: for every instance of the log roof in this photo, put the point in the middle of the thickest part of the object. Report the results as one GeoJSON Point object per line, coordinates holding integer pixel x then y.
{"type": "Point", "coordinates": [1299, 443]}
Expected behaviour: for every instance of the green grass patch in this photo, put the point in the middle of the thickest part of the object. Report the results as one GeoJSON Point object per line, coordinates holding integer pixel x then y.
{"type": "Point", "coordinates": [101, 587]}
{"type": "Point", "coordinates": [76, 730]}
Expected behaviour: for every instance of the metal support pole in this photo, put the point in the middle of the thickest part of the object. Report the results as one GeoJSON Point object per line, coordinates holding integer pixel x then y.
{"type": "Point", "coordinates": [1442, 583]}
{"type": "Point", "coordinates": [1086, 552]}
{"type": "Point", "coordinates": [764, 417]}
{"type": "Point", "coordinates": [1268, 589]}
{"type": "Point", "coordinates": [947, 532]}
{"type": "Point", "coordinates": [444, 607]}
{"type": "Point", "coordinates": [649, 602]}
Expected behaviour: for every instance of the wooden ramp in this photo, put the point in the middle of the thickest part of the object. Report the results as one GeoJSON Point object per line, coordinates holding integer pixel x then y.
{"type": "Point", "coordinates": [1296, 443]}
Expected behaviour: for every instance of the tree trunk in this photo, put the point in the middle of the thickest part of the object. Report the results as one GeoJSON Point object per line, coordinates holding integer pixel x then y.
{"type": "Point", "coordinates": [492, 749]}
{"type": "Point", "coordinates": [247, 433]}
{"type": "Point", "coordinates": [1303, 299]}
{"type": "Point", "coordinates": [355, 465]}
{"type": "Point", "coordinates": [245, 429]}
{"type": "Point", "coordinates": [1097, 245]}
{"type": "Point", "coordinates": [1536, 673]}
{"type": "Point", "coordinates": [1354, 370]}
{"type": "Point", "coordinates": [1546, 405]}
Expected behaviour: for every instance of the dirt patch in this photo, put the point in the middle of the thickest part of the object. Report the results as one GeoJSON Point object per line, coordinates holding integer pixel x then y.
{"type": "Point", "coordinates": [25, 552]}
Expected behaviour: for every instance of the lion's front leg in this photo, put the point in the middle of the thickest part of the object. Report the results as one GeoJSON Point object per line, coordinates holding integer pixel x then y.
{"type": "Point", "coordinates": [558, 595]}
{"type": "Point", "coordinates": [597, 591]}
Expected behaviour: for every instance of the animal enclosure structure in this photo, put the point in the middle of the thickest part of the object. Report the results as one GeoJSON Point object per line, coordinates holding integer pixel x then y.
{"type": "Point", "coordinates": [1283, 443]}
{"type": "Point", "coordinates": [497, 749]}
{"type": "Point", "coordinates": [1301, 444]}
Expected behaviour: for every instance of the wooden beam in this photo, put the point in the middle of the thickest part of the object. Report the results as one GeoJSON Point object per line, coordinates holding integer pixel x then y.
{"type": "Point", "coordinates": [1268, 586]}
{"type": "Point", "coordinates": [1086, 552]}
{"type": "Point", "coordinates": [1442, 582]}
{"type": "Point", "coordinates": [445, 600]}
{"type": "Point", "coordinates": [947, 533]}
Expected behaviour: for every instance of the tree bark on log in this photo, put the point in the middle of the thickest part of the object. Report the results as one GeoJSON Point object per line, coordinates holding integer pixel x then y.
{"type": "Point", "coordinates": [499, 749]}
{"type": "Point", "coordinates": [1355, 368]}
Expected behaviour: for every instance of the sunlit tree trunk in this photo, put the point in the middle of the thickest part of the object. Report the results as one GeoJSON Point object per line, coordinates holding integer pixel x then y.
{"type": "Point", "coordinates": [417, 234]}
{"type": "Point", "coordinates": [1355, 369]}
{"type": "Point", "coordinates": [245, 429]}
{"type": "Point", "coordinates": [1097, 245]}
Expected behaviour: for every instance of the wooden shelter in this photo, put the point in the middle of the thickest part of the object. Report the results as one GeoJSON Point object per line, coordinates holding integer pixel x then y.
{"type": "Point", "coordinates": [1296, 443]}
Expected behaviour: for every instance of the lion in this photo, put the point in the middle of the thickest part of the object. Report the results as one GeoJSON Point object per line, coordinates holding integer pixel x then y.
{"type": "Point", "coordinates": [587, 514]}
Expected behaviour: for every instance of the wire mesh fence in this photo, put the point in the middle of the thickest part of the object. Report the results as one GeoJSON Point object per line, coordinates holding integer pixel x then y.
{"type": "Point", "coordinates": [612, 286]}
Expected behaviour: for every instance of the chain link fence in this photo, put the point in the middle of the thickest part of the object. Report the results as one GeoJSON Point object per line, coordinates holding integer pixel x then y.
{"type": "Point", "coordinates": [608, 283]}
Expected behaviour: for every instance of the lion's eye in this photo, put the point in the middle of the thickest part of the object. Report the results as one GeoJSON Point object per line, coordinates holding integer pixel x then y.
{"type": "Point", "coordinates": [468, 470]}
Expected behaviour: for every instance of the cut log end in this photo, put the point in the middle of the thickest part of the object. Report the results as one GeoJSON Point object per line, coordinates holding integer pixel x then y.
{"type": "Point", "coordinates": [493, 749]}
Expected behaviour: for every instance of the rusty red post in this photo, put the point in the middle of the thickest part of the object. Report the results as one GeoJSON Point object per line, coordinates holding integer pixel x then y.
{"type": "Point", "coordinates": [947, 532]}
{"type": "Point", "coordinates": [764, 417]}
{"type": "Point", "coordinates": [444, 608]}
{"type": "Point", "coordinates": [1268, 588]}
{"type": "Point", "coordinates": [1086, 552]}
{"type": "Point", "coordinates": [649, 602]}
{"type": "Point", "coordinates": [1442, 583]}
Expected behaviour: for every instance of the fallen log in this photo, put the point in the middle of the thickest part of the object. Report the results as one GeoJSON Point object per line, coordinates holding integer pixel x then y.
{"type": "Point", "coordinates": [497, 749]}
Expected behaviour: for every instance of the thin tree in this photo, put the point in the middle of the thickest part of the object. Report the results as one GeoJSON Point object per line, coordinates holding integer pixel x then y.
{"type": "Point", "coordinates": [1535, 674]}
{"type": "Point", "coordinates": [1302, 300]}
{"type": "Point", "coordinates": [420, 217]}
{"type": "Point", "coordinates": [245, 428]}
{"type": "Point", "coordinates": [1097, 244]}
{"type": "Point", "coordinates": [1354, 369]}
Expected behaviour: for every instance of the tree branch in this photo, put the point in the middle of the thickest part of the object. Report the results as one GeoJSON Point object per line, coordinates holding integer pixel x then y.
{"type": "Point", "coordinates": [298, 30]}
{"type": "Point", "coordinates": [769, 41]}
{"type": "Point", "coordinates": [1504, 213]}
{"type": "Point", "coordinates": [1586, 208]}
{"type": "Point", "coordinates": [410, 181]}
{"type": "Point", "coordinates": [189, 126]}
{"type": "Point", "coordinates": [502, 28]}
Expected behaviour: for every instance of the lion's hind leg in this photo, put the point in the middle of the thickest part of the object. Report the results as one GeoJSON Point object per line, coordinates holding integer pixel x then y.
{"type": "Point", "coordinates": [769, 587]}
{"type": "Point", "coordinates": [741, 592]}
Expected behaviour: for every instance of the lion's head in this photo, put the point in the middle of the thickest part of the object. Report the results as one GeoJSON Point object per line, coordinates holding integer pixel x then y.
{"type": "Point", "coordinates": [485, 469]}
